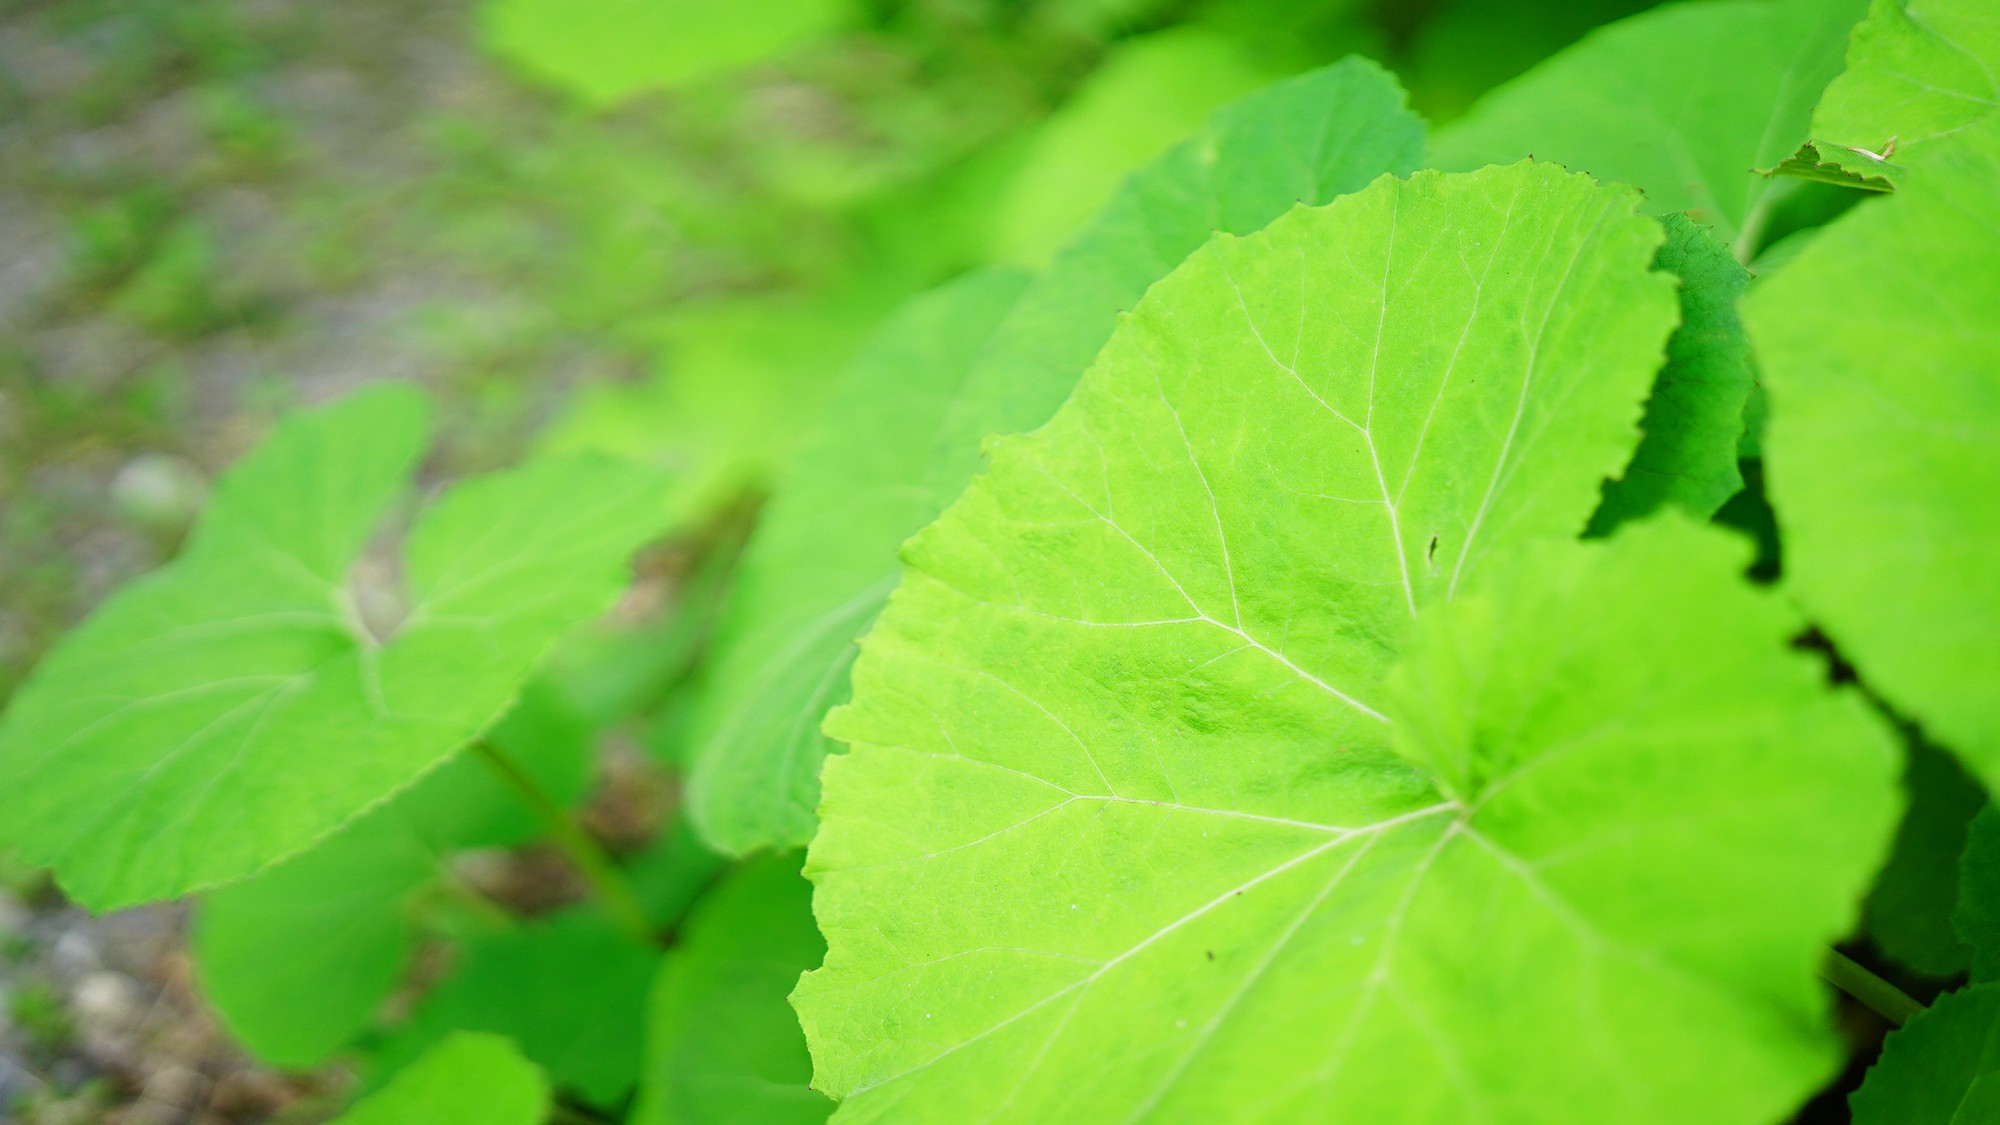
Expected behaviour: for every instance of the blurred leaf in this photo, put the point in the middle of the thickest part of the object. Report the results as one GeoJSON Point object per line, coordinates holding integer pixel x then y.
{"type": "Point", "coordinates": [235, 706]}
{"type": "Point", "coordinates": [814, 575]}
{"type": "Point", "coordinates": [723, 1046]}
{"type": "Point", "coordinates": [298, 958]}
{"type": "Point", "coordinates": [1909, 912]}
{"type": "Point", "coordinates": [1467, 47]}
{"type": "Point", "coordinates": [1683, 102]}
{"type": "Point", "coordinates": [1149, 93]}
{"type": "Point", "coordinates": [1235, 176]}
{"type": "Point", "coordinates": [669, 874]}
{"type": "Point", "coordinates": [464, 1080]}
{"type": "Point", "coordinates": [571, 990]}
{"type": "Point", "coordinates": [1296, 35]}
{"type": "Point", "coordinates": [604, 51]}
{"type": "Point", "coordinates": [735, 389]}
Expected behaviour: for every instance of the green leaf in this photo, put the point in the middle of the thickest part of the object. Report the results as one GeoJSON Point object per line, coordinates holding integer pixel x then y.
{"type": "Point", "coordinates": [1290, 36]}
{"type": "Point", "coordinates": [1694, 418]}
{"type": "Point", "coordinates": [1943, 1068]}
{"type": "Point", "coordinates": [1139, 666]}
{"type": "Point", "coordinates": [570, 989]}
{"type": "Point", "coordinates": [1976, 918]}
{"type": "Point", "coordinates": [723, 1045]}
{"type": "Point", "coordinates": [465, 1080]}
{"type": "Point", "coordinates": [1239, 173]}
{"type": "Point", "coordinates": [1466, 47]}
{"type": "Point", "coordinates": [1909, 912]}
{"type": "Point", "coordinates": [671, 873]}
{"type": "Point", "coordinates": [1682, 102]}
{"type": "Point", "coordinates": [821, 564]}
{"type": "Point", "coordinates": [824, 557]}
{"type": "Point", "coordinates": [1881, 357]}
{"type": "Point", "coordinates": [1149, 93]}
{"type": "Point", "coordinates": [299, 958]}
{"type": "Point", "coordinates": [1836, 166]}
{"type": "Point", "coordinates": [737, 384]}
{"type": "Point", "coordinates": [233, 707]}
{"type": "Point", "coordinates": [1917, 71]}
{"type": "Point", "coordinates": [1611, 910]}
{"type": "Point", "coordinates": [604, 51]}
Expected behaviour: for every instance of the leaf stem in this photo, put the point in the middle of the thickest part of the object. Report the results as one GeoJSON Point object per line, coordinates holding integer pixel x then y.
{"type": "Point", "coordinates": [609, 884]}
{"type": "Point", "coordinates": [1881, 997]}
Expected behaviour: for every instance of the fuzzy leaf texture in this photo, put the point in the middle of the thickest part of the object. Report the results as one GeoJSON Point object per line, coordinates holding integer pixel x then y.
{"type": "Point", "coordinates": [1125, 833]}
{"type": "Point", "coordinates": [1682, 102]}
{"type": "Point", "coordinates": [1943, 1068]}
{"type": "Point", "coordinates": [723, 1047]}
{"type": "Point", "coordinates": [1881, 355]}
{"type": "Point", "coordinates": [904, 436]}
{"type": "Point", "coordinates": [469, 1079]}
{"type": "Point", "coordinates": [232, 708]}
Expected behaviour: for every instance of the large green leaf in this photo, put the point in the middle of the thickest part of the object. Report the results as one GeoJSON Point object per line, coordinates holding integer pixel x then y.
{"type": "Point", "coordinates": [570, 989]}
{"type": "Point", "coordinates": [821, 565]}
{"type": "Point", "coordinates": [1149, 93]}
{"type": "Point", "coordinates": [824, 557]}
{"type": "Point", "coordinates": [468, 1079]}
{"type": "Point", "coordinates": [1941, 1069]}
{"type": "Point", "coordinates": [723, 1046]}
{"type": "Point", "coordinates": [1917, 71]}
{"type": "Point", "coordinates": [233, 707]}
{"type": "Point", "coordinates": [1881, 355]}
{"type": "Point", "coordinates": [1138, 668]}
{"type": "Point", "coordinates": [1683, 101]}
{"type": "Point", "coordinates": [298, 958]}
{"type": "Point", "coordinates": [1694, 418]}
{"type": "Point", "coordinates": [1609, 910]}
{"type": "Point", "coordinates": [604, 51]}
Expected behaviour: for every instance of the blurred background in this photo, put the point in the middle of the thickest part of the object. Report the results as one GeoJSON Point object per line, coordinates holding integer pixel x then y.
{"type": "Point", "coordinates": [655, 227]}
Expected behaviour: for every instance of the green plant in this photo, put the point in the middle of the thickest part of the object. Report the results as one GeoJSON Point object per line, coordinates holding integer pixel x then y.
{"type": "Point", "coordinates": [1289, 657]}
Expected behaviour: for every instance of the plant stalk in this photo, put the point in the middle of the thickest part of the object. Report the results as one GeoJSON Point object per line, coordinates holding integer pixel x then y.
{"type": "Point", "coordinates": [609, 884]}
{"type": "Point", "coordinates": [1881, 997]}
